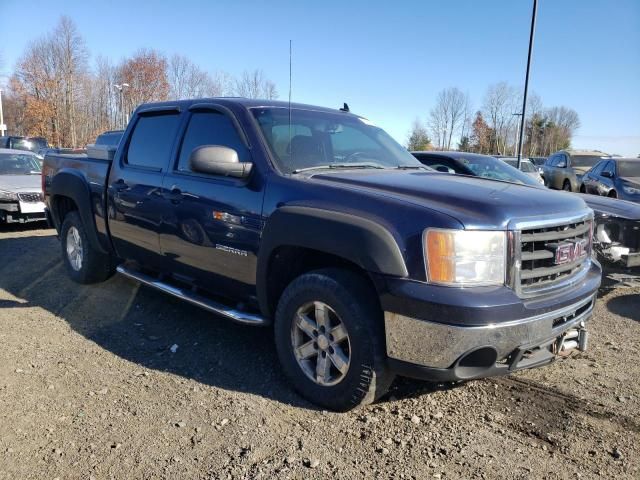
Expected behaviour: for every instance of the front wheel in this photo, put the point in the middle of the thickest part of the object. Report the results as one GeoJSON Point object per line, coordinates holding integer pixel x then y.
{"type": "Point", "coordinates": [84, 263]}
{"type": "Point", "coordinates": [566, 186]}
{"type": "Point", "coordinates": [330, 339]}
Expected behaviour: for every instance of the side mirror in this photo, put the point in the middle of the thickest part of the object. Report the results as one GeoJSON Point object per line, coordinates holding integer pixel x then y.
{"type": "Point", "coordinates": [606, 174]}
{"type": "Point", "coordinates": [562, 165]}
{"type": "Point", "coordinates": [218, 160]}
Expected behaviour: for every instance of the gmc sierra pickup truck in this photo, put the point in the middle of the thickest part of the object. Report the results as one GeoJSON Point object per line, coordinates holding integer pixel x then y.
{"type": "Point", "coordinates": [366, 263]}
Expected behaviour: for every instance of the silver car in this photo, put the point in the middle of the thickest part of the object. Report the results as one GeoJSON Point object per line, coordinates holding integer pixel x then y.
{"type": "Point", "coordinates": [20, 187]}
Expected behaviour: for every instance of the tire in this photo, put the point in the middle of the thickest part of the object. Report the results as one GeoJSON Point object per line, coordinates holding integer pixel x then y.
{"type": "Point", "coordinates": [93, 266]}
{"type": "Point", "coordinates": [348, 299]}
{"type": "Point", "coordinates": [566, 186]}
{"type": "Point", "coordinates": [583, 189]}
{"type": "Point", "coordinates": [613, 194]}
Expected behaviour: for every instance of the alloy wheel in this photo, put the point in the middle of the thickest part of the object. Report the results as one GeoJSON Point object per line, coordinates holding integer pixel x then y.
{"type": "Point", "coordinates": [321, 343]}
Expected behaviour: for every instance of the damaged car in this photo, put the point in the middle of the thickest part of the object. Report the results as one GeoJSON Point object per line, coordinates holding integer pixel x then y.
{"type": "Point", "coordinates": [616, 238]}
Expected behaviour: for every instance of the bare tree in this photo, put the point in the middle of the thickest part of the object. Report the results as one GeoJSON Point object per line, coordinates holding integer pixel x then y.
{"type": "Point", "coordinates": [71, 50]}
{"type": "Point", "coordinates": [187, 80]}
{"type": "Point", "coordinates": [254, 84]}
{"type": "Point", "coordinates": [500, 102]}
{"type": "Point", "coordinates": [446, 118]}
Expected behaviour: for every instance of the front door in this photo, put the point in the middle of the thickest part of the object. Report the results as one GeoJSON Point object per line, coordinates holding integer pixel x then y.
{"type": "Point", "coordinates": [212, 224]}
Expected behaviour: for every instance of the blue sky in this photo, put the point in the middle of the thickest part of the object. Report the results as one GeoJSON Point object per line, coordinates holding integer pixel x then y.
{"type": "Point", "coordinates": [386, 59]}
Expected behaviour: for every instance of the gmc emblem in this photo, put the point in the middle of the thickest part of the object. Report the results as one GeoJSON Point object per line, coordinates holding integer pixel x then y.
{"type": "Point", "coordinates": [569, 251]}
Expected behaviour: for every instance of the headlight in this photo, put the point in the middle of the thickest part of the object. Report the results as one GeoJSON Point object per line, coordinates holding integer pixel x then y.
{"type": "Point", "coordinates": [631, 190]}
{"type": "Point", "coordinates": [465, 257]}
{"type": "Point", "coordinates": [8, 196]}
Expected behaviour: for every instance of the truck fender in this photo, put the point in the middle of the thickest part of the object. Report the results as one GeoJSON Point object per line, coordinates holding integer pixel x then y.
{"type": "Point", "coordinates": [364, 242]}
{"type": "Point", "coordinates": [71, 184]}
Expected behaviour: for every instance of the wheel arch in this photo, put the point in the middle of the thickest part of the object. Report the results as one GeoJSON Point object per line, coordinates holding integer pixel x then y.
{"type": "Point", "coordinates": [69, 191]}
{"type": "Point", "coordinates": [300, 239]}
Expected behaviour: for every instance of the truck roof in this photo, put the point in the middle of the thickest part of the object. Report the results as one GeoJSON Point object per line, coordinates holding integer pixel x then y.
{"type": "Point", "coordinates": [246, 102]}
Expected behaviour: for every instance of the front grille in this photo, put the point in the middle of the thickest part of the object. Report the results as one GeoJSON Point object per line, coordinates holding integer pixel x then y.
{"type": "Point", "coordinates": [539, 268]}
{"type": "Point", "coordinates": [30, 197]}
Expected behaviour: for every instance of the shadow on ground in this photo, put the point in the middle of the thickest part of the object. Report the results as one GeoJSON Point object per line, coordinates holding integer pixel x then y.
{"type": "Point", "coordinates": [142, 325]}
{"type": "Point", "coordinates": [625, 306]}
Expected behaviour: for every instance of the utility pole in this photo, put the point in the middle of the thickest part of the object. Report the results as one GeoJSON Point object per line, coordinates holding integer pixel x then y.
{"type": "Point", "coordinates": [120, 87]}
{"type": "Point", "coordinates": [3, 127]}
{"type": "Point", "coordinates": [526, 80]}
{"type": "Point", "coordinates": [517, 130]}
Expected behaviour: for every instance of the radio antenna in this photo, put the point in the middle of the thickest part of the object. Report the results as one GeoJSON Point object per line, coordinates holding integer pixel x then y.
{"type": "Point", "coordinates": [290, 146]}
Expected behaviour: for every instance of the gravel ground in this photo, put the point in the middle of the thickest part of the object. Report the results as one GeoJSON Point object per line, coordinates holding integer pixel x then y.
{"type": "Point", "coordinates": [119, 381]}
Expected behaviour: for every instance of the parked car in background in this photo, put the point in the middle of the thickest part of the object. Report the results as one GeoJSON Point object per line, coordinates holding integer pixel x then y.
{"type": "Point", "coordinates": [526, 166]}
{"type": "Point", "coordinates": [367, 263]}
{"type": "Point", "coordinates": [475, 165]}
{"type": "Point", "coordinates": [20, 187]}
{"type": "Point", "coordinates": [564, 169]}
{"type": "Point", "coordinates": [30, 144]}
{"type": "Point", "coordinates": [616, 177]}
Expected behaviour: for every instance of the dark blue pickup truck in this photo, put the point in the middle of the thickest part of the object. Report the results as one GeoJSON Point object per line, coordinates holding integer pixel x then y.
{"type": "Point", "coordinates": [366, 263]}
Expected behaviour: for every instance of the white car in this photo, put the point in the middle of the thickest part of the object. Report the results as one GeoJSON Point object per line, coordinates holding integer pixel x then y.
{"type": "Point", "coordinates": [21, 198]}
{"type": "Point", "coordinates": [526, 166]}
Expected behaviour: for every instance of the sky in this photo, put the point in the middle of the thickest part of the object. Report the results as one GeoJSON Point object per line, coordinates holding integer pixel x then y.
{"type": "Point", "coordinates": [386, 59]}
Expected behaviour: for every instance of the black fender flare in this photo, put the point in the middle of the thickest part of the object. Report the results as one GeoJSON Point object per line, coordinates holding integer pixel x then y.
{"type": "Point", "coordinates": [71, 184]}
{"type": "Point", "coordinates": [362, 241]}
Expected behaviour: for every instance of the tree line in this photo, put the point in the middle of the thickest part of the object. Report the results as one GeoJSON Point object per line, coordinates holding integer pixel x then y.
{"type": "Point", "coordinates": [55, 93]}
{"type": "Point", "coordinates": [494, 128]}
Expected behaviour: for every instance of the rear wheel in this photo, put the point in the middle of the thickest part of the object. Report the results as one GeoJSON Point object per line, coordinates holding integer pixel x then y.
{"type": "Point", "coordinates": [583, 189]}
{"type": "Point", "coordinates": [330, 339]}
{"type": "Point", "coordinates": [84, 263]}
{"type": "Point", "coordinates": [613, 194]}
{"type": "Point", "coordinates": [566, 186]}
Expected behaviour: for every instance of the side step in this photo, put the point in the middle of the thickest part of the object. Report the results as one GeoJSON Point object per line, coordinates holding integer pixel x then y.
{"type": "Point", "coordinates": [198, 300]}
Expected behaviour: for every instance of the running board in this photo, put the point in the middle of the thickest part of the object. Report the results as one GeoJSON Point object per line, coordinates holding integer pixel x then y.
{"type": "Point", "coordinates": [195, 299]}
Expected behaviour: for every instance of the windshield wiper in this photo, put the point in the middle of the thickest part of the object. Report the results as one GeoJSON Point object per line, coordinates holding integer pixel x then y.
{"type": "Point", "coordinates": [412, 167]}
{"type": "Point", "coordinates": [338, 165]}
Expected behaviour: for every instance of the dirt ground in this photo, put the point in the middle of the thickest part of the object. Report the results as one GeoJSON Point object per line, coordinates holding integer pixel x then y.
{"type": "Point", "coordinates": [119, 381]}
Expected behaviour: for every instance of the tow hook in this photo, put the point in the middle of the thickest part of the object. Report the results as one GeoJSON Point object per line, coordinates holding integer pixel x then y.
{"type": "Point", "coordinates": [575, 338]}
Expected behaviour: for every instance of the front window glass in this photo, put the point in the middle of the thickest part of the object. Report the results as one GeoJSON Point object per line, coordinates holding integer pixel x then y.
{"type": "Point", "coordinates": [16, 164]}
{"type": "Point", "coordinates": [629, 168]}
{"type": "Point", "coordinates": [210, 128]}
{"type": "Point", "coordinates": [327, 139]}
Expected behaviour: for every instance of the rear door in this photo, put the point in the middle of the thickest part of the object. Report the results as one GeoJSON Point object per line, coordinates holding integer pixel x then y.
{"type": "Point", "coordinates": [212, 223]}
{"type": "Point", "coordinates": [135, 199]}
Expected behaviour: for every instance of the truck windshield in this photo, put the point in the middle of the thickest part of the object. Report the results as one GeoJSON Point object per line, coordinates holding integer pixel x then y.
{"type": "Point", "coordinates": [16, 164]}
{"type": "Point", "coordinates": [326, 139]}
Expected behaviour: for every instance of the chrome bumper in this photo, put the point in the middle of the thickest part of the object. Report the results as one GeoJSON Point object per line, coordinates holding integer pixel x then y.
{"type": "Point", "coordinates": [440, 345]}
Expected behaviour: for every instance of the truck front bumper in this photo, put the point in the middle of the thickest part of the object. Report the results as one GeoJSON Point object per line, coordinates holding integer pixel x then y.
{"type": "Point", "coordinates": [522, 334]}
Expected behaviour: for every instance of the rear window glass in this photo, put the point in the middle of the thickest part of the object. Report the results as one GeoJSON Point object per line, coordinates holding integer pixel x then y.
{"type": "Point", "coordinates": [584, 161]}
{"type": "Point", "coordinates": [629, 168]}
{"type": "Point", "coordinates": [151, 141]}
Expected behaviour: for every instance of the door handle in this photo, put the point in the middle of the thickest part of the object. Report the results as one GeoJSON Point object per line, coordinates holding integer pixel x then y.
{"type": "Point", "coordinates": [174, 195]}
{"type": "Point", "coordinates": [120, 185]}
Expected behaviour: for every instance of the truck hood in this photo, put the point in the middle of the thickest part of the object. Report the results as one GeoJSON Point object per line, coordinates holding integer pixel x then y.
{"type": "Point", "coordinates": [475, 202]}
{"type": "Point", "coordinates": [14, 183]}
